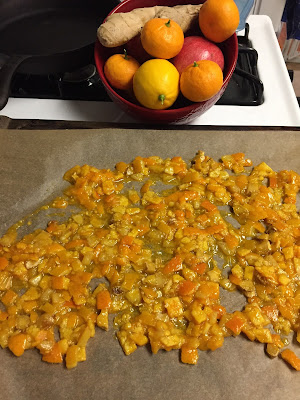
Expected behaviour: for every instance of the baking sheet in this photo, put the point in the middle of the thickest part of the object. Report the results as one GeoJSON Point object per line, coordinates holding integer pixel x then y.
{"type": "Point", "coordinates": [32, 164]}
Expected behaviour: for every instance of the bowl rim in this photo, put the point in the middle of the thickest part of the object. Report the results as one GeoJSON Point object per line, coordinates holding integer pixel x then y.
{"type": "Point", "coordinates": [170, 111]}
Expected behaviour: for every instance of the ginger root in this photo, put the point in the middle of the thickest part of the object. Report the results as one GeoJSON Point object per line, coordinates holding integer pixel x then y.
{"type": "Point", "coordinates": [119, 28]}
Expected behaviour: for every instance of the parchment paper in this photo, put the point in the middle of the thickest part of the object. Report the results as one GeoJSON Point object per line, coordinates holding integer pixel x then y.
{"type": "Point", "coordinates": [32, 164]}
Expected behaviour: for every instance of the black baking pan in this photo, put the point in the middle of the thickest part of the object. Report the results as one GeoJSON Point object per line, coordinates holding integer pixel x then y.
{"type": "Point", "coordinates": [47, 36]}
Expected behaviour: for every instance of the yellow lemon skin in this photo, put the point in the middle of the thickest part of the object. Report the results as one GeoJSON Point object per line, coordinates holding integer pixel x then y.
{"type": "Point", "coordinates": [156, 84]}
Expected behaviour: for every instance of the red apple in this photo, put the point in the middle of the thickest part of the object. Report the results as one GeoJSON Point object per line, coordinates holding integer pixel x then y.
{"type": "Point", "coordinates": [196, 48]}
{"type": "Point", "coordinates": [136, 50]}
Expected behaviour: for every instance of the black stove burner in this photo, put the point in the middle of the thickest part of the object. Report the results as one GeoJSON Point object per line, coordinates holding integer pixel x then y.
{"type": "Point", "coordinates": [83, 84]}
{"type": "Point", "coordinates": [244, 88]}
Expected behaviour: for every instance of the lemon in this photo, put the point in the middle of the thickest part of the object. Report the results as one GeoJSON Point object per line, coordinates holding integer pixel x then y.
{"type": "Point", "coordinates": [156, 84]}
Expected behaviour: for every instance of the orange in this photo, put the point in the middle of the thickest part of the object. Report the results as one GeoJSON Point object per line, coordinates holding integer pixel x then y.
{"type": "Point", "coordinates": [218, 19]}
{"type": "Point", "coordinates": [119, 70]}
{"type": "Point", "coordinates": [201, 81]}
{"type": "Point", "coordinates": [162, 38]}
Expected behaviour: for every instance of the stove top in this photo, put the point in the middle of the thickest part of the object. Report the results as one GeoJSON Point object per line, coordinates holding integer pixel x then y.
{"type": "Point", "coordinates": [245, 87]}
{"type": "Point", "coordinates": [266, 95]}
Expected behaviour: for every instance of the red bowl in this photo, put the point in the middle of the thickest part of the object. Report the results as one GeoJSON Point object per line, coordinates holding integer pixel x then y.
{"type": "Point", "coordinates": [182, 111]}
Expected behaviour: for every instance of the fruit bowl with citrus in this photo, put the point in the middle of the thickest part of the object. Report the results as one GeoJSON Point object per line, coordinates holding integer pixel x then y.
{"type": "Point", "coordinates": [150, 88]}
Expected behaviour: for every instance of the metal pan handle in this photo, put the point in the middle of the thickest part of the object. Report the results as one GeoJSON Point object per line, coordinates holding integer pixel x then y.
{"type": "Point", "coordinates": [6, 73]}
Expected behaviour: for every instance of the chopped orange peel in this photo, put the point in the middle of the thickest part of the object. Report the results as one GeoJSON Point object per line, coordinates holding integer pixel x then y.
{"type": "Point", "coordinates": [149, 258]}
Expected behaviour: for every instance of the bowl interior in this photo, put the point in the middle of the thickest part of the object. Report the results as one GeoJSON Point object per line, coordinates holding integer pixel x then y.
{"type": "Point", "coordinates": [182, 107]}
